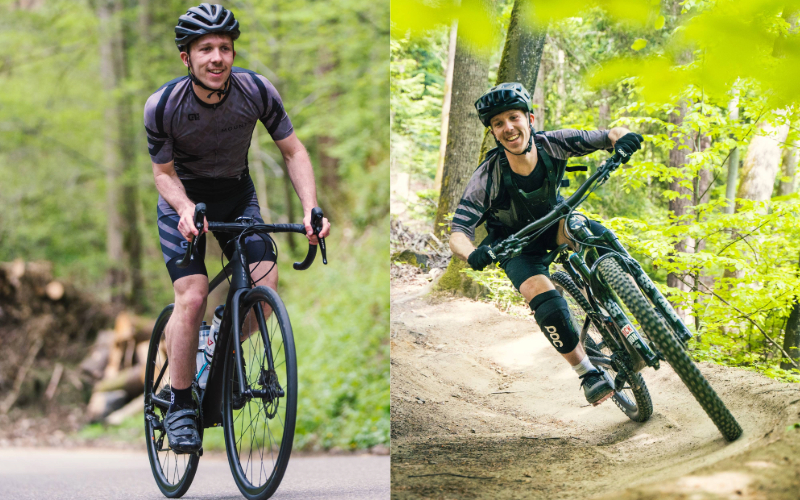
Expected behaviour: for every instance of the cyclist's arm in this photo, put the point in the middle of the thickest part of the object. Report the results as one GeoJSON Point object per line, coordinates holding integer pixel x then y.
{"type": "Point", "coordinates": [461, 246]}
{"type": "Point", "coordinates": [171, 188]}
{"type": "Point", "coordinates": [301, 173]}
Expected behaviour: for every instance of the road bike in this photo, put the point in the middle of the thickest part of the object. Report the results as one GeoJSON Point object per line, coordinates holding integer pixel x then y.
{"type": "Point", "coordinates": [251, 389]}
{"type": "Point", "coordinates": [600, 279]}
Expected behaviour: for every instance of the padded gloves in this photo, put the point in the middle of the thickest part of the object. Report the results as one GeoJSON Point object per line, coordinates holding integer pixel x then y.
{"type": "Point", "coordinates": [481, 257]}
{"type": "Point", "coordinates": [627, 145]}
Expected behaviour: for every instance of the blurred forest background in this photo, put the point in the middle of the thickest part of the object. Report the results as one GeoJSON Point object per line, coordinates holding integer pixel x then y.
{"type": "Point", "coordinates": [77, 191]}
{"type": "Point", "coordinates": [709, 206]}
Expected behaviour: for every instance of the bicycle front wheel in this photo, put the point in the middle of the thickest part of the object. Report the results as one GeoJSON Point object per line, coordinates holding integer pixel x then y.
{"type": "Point", "coordinates": [658, 331]}
{"type": "Point", "coordinates": [259, 423]}
{"type": "Point", "coordinates": [633, 399]}
{"type": "Point", "coordinates": [173, 472]}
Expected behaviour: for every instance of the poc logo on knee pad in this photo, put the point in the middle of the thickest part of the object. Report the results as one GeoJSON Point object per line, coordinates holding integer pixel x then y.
{"type": "Point", "coordinates": [555, 338]}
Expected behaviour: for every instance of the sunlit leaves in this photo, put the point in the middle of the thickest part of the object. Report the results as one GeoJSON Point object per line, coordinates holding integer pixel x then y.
{"type": "Point", "coordinates": [639, 44]}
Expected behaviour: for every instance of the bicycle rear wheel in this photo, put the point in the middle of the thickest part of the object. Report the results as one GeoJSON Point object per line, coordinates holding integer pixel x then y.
{"type": "Point", "coordinates": [173, 472]}
{"type": "Point", "coordinates": [658, 331]}
{"type": "Point", "coordinates": [259, 424]}
{"type": "Point", "coordinates": [633, 399]}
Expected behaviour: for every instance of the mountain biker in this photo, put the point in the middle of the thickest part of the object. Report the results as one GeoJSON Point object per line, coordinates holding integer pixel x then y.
{"type": "Point", "coordinates": [517, 184]}
{"type": "Point", "coordinates": [199, 129]}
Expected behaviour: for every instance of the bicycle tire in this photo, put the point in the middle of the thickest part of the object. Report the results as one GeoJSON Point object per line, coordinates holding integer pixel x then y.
{"type": "Point", "coordinates": [634, 402]}
{"type": "Point", "coordinates": [180, 468]}
{"type": "Point", "coordinates": [659, 332]}
{"type": "Point", "coordinates": [236, 425]}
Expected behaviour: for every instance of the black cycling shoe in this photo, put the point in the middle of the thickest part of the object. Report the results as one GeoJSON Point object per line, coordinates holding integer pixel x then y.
{"type": "Point", "coordinates": [181, 427]}
{"type": "Point", "coordinates": [596, 386]}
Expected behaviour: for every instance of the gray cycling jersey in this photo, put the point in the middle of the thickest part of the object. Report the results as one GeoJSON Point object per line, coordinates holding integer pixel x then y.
{"type": "Point", "coordinates": [485, 192]}
{"type": "Point", "coordinates": [211, 140]}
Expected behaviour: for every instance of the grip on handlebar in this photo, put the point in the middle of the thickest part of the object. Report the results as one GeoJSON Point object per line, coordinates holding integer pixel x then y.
{"type": "Point", "coordinates": [199, 222]}
{"type": "Point", "coordinates": [316, 224]}
{"type": "Point", "coordinates": [199, 215]}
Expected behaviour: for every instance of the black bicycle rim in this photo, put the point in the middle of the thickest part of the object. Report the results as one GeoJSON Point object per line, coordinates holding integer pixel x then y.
{"type": "Point", "coordinates": [173, 472]}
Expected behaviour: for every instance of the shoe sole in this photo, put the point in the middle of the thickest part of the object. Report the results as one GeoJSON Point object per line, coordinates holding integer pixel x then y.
{"type": "Point", "coordinates": [603, 399]}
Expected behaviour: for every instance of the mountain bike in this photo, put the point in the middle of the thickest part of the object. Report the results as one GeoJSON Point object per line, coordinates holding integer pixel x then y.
{"type": "Point", "coordinates": [600, 279]}
{"type": "Point", "coordinates": [251, 388]}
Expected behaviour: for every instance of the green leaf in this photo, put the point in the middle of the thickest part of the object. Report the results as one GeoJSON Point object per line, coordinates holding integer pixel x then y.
{"type": "Point", "coordinates": [659, 23]}
{"type": "Point", "coordinates": [639, 44]}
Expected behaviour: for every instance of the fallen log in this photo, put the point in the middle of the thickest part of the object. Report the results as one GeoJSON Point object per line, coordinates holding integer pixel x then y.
{"type": "Point", "coordinates": [104, 403]}
{"type": "Point", "coordinates": [130, 380]}
{"type": "Point", "coordinates": [95, 363]}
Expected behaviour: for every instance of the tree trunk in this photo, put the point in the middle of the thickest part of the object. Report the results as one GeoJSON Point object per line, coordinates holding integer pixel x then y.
{"type": "Point", "coordinates": [448, 93]}
{"type": "Point", "coordinates": [733, 159]}
{"type": "Point", "coordinates": [788, 170]}
{"type": "Point", "coordinates": [679, 206]}
{"type": "Point", "coordinates": [538, 100]}
{"type": "Point", "coordinates": [114, 237]}
{"type": "Point", "coordinates": [604, 110]}
{"type": "Point", "coordinates": [762, 162]}
{"type": "Point", "coordinates": [702, 195]}
{"type": "Point", "coordinates": [522, 57]}
{"type": "Point", "coordinates": [791, 338]}
{"type": "Point", "coordinates": [470, 69]}
{"type": "Point", "coordinates": [561, 87]}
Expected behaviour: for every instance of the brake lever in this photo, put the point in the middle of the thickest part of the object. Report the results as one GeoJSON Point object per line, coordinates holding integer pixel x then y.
{"type": "Point", "coordinates": [316, 225]}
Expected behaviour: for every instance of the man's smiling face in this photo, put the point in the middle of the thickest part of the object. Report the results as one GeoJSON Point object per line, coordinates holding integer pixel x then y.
{"type": "Point", "coordinates": [513, 129]}
{"type": "Point", "coordinates": [211, 59]}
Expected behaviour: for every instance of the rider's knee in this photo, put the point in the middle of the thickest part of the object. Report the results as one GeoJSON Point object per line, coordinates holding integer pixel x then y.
{"type": "Point", "coordinates": [553, 317]}
{"type": "Point", "coordinates": [193, 299]}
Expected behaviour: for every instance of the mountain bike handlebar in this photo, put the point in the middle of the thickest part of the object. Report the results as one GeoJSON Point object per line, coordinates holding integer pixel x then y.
{"type": "Point", "coordinates": [561, 209]}
{"type": "Point", "coordinates": [244, 224]}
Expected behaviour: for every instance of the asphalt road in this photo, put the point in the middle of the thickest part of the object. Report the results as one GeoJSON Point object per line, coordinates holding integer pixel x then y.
{"type": "Point", "coordinates": [60, 474]}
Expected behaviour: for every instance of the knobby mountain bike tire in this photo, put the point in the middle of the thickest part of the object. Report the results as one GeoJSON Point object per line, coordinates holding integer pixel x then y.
{"type": "Point", "coordinates": [259, 429]}
{"type": "Point", "coordinates": [659, 332]}
{"type": "Point", "coordinates": [172, 471]}
{"type": "Point", "coordinates": [634, 402]}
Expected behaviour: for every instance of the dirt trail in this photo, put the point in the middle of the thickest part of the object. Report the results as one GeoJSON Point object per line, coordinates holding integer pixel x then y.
{"type": "Point", "coordinates": [484, 407]}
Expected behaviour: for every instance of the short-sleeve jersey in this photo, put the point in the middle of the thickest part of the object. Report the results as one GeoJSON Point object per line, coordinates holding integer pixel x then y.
{"type": "Point", "coordinates": [212, 140]}
{"type": "Point", "coordinates": [485, 190]}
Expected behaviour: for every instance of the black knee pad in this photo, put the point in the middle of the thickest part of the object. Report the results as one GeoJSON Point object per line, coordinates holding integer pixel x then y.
{"type": "Point", "coordinates": [553, 317]}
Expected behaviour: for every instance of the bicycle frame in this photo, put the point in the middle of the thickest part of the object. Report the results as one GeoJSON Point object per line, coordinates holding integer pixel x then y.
{"type": "Point", "coordinates": [577, 264]}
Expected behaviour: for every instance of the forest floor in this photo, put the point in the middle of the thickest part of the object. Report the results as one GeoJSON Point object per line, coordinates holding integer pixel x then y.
{"type": "Point", "coordinates": [484, 407]}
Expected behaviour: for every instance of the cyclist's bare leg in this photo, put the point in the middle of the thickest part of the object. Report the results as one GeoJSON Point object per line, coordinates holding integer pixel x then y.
{"type": "Point", "coordinates": [271, 281]}
{"type": "Point", "coordinates": [191, 293]}
{"type": "Point", "coordinates": [532, 287]}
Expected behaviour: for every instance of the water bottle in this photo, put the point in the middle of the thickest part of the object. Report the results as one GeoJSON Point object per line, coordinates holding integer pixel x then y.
{"type": "Point", "coordinates": [202, 365]}
{"type": "Point", "coordinates": [211, 343]}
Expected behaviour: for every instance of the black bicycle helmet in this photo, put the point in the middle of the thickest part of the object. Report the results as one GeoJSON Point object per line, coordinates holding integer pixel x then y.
{"type": "Point", "coordinates": [202, 20]}
{"type": "Point", "coordinates": [502, 98]}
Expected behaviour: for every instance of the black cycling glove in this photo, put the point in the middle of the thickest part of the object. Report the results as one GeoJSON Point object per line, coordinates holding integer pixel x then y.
{"type": "Point", "coordinates": [627, 145]}
{"type": "Point", "coordinates": [481, 257]}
